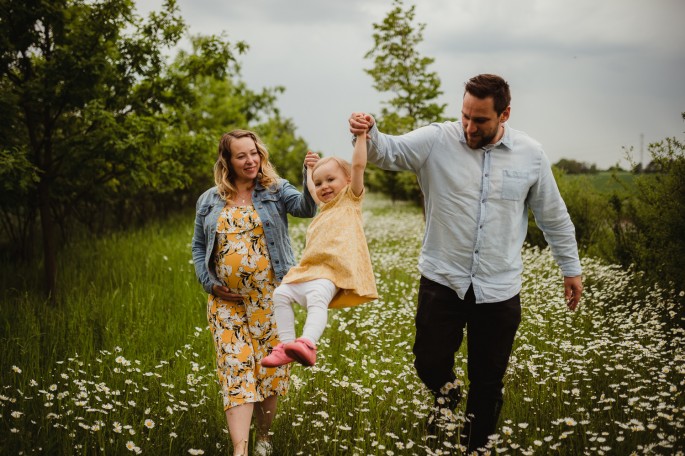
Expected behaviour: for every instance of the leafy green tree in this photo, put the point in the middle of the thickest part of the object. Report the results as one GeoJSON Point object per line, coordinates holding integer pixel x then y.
{"type": "Point", "coordinates": [86, 102]}
{"type": "Point", "coordinates": [400, 70]}
{"type": "Point", "coordinates": [222, 105]}
{"type": "Point", "coordinates": [217, 105]}
{"type": "Point", "coordinates": [575, 167]}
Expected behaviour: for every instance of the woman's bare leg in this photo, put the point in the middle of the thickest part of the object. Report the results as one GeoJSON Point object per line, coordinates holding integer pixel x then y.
{"type": "Point", "coordinates": [264, 416]}
{"type": "Point", "coordinates": [239, 419]}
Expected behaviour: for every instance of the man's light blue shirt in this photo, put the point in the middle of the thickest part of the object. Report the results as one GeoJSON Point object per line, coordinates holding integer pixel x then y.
{"type": "Point", "coordinates": [476, 204]}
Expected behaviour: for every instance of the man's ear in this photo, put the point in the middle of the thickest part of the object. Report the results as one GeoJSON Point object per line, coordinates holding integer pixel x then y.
{"type": "Point", "coordinates": [505, 115]}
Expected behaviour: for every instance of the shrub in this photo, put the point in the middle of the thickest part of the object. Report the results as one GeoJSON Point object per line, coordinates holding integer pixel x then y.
{"type": "Point", "coordinates": [651, 233]}
{"type": "Point", "coordinates": [591, 214]}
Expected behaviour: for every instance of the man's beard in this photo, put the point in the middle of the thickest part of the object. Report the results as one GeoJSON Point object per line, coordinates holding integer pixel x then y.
{"type": "Point", "coordinates": [484, 140]}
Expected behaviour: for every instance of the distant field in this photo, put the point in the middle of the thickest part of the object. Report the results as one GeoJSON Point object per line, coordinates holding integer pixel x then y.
{"type": "Point", "coordinates": [606, 181]}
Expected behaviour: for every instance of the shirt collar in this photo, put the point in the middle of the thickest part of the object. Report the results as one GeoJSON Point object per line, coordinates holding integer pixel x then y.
{"type": "Point", "coordinates": [506, 140]}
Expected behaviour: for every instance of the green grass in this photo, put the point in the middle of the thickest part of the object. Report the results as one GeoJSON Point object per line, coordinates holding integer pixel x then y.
{"type": "Point", "coordinates": [130, 343]}
{"type": "Point", "coordinates": [606, 182]}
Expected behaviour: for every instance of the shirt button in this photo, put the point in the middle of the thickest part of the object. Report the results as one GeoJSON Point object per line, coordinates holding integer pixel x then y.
{"type": "Point", "coordinates": [480, 227]}
{"type": "Point", "coordinates": [473, 275]}
{"type": "Point", "coordinates": [277, 261]}
{"type": "Point", "coordinates": [484, 201]}
{"type": "Point", "coordinates": [486, 174]}
{"type": "Point", "coordinates": [272, 242]}
{"type": "Point", "coordinates": [476, 251]}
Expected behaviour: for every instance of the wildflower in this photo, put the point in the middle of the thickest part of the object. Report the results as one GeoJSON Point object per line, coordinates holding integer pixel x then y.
{"type": "Point", "coordinates": [130, 445]}
{"type": "Point", "coordinates": [16, 369]}
{"type": "Point", "coordinates": [17, 414]}
{"type": "Point", "coordinates": [194, 451]}
{"type": "Point", "coordinates": [173, 435]}
{"type": "Point", "coordinates": [117, 427]}
{"type": "Point", "coordinates": [149, 423]}
{"type": "Point", "coordinates": [570, 422]}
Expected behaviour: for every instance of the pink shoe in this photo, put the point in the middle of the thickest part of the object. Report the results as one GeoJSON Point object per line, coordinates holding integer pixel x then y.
{"type": "Point", "coordinates": [277, 357]}
{"type": "Point", "coordinates": [302, 350]}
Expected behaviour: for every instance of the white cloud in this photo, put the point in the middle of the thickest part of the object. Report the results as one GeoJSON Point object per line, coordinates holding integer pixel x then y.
{"type": "Point", "coordinates": [587, 77]}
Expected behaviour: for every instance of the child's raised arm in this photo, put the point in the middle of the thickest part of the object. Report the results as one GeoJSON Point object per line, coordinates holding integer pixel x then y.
{"type": "Point", "coordinates": [309, 162]}
{"type": "Point", "coordinates": [358, 164]}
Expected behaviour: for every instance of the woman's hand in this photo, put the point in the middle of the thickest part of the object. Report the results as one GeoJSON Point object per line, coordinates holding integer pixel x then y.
{"type": "Point", "coordinates": [310, 159]}
{"type": "Point", "coordinates": [224, 293]}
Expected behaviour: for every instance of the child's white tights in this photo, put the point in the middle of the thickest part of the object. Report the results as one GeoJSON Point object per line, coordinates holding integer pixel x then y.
{"type": "Point", "coordinates": [315, 296]}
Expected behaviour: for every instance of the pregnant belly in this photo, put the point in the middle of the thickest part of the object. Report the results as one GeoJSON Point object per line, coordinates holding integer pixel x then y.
{"type": "Point", "coordinates": [242, 273]}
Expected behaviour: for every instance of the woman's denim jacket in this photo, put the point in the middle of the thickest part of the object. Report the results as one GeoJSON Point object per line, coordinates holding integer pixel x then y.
{"type": "Point", "coordinates": [273, 206]}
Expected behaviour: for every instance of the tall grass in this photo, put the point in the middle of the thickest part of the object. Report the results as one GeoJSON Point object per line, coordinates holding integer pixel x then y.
{"type": "Point", "coordinates": [126, 363]}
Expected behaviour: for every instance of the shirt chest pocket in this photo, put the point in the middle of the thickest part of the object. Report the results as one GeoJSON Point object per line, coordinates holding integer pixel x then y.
{"type": "Point", "coordinates": [204, 210]}
{"type": "Point", "coordinates": [271, 204]}
{"type": "Point", "coordinates": [514, 184]}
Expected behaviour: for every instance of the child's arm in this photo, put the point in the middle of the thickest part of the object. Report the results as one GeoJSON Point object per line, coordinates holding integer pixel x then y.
{"type": "Point", "coordinates": [358, 164]}
{"type": "Point", "coordinates": [310, 160]}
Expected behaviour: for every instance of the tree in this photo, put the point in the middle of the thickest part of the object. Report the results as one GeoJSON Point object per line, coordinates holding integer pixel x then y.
{"type": "Point", "coordinates": [575, 167]}
{"type": "Point", "coordinates": [86, 100]}
{"type": "Point", "coordinates": [400, 70]}
{"type": "Point", "coordinates": [651, 233]}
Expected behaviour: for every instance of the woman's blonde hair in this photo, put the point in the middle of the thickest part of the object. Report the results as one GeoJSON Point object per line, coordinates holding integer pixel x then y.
{"type": "Point", "coordinates": [344, 164]}
{"type": "Point", "coordinates": [224, 174]}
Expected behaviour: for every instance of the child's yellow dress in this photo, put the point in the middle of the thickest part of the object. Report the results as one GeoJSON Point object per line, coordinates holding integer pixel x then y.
{"type": "Point", "coordinates": [244, 332]}
{"type": "Point", "coordinates": [336, 250]}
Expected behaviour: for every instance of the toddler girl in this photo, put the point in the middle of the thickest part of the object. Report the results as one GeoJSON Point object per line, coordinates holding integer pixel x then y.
{"type": "Point", "coordinates": [335, 269]}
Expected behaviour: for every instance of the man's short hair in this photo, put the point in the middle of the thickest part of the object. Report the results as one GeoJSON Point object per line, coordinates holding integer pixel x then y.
{"type": "Point", "coordinates": [490, 85]}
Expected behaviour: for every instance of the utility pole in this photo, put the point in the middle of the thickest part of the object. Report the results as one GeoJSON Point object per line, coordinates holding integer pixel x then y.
{"type": "Point", "coordinates": [642, 152]}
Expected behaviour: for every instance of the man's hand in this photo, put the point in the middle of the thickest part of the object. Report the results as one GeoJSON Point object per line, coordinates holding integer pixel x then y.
{"type": "Point", "coordinates": [573, 288]}
{"type": "Point", "coordinates": [360, 123]}
{"type": "Point", "coordinates": [224, 293]}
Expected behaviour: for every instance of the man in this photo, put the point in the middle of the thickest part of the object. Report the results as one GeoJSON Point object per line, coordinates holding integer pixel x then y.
{"type": "Point", "coordinates": [478, 177]}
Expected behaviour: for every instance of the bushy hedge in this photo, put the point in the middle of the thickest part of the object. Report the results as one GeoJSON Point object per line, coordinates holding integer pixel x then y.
{"type": "Point", "coordinates": [652, 235]}
{"type": "Point", "coordinates": [642, 227]}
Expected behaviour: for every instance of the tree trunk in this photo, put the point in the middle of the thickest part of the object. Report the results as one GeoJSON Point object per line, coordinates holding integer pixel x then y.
{"type": "Point", "coordinates": [48, 227]}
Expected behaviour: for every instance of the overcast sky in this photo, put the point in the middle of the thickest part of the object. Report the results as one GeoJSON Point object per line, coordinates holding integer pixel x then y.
{"type": "Point", "coordinates": [588, 77]}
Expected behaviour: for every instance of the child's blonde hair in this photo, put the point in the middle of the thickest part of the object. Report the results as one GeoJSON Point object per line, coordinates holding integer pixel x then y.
{"type": "Point", "coordinates": [344, 164]}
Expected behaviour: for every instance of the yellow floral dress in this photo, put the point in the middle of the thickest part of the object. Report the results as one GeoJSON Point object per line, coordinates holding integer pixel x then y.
{"type": "Point", "coordinates": [244, 332]}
